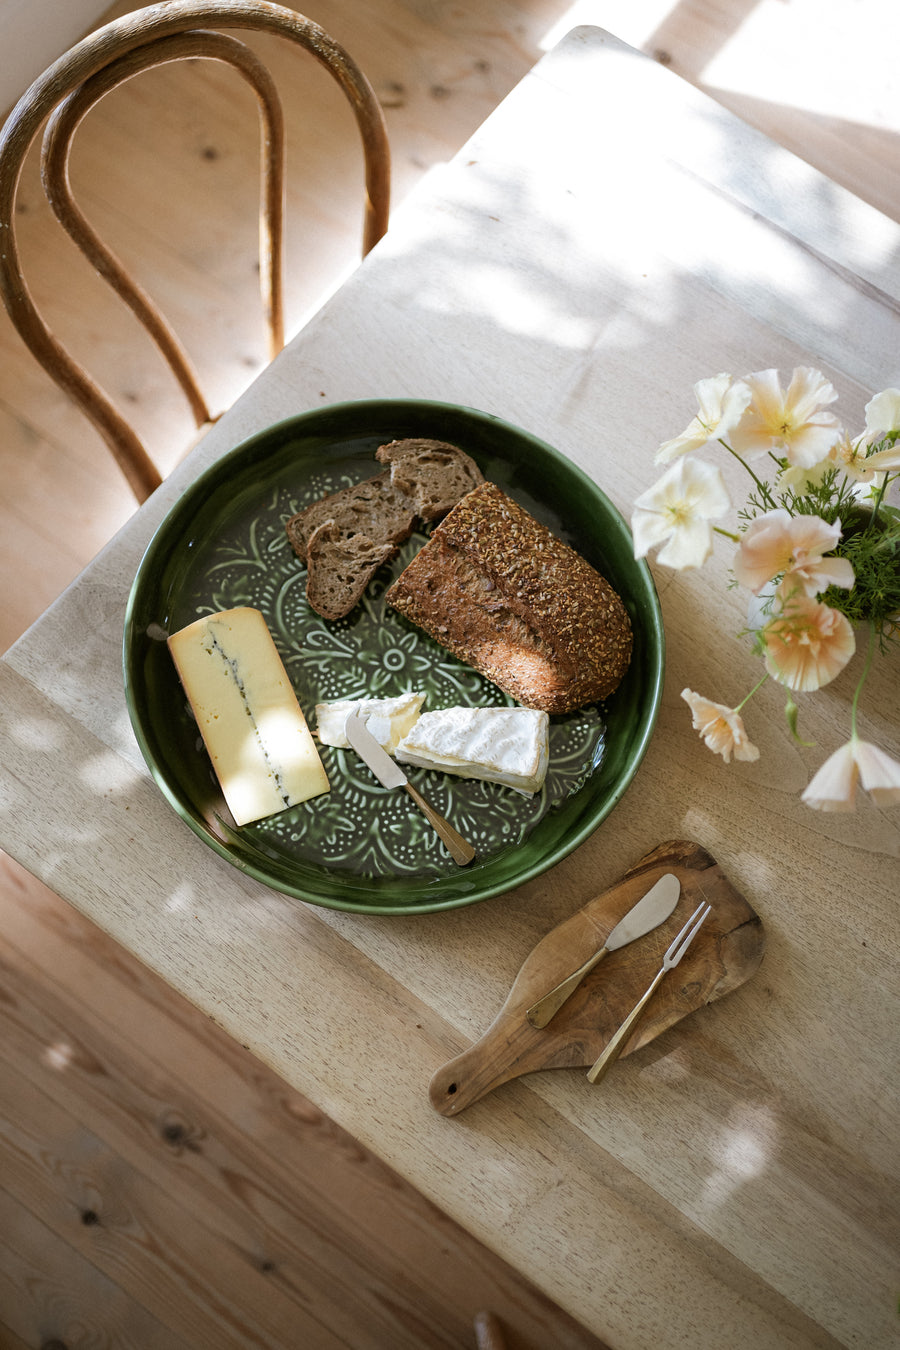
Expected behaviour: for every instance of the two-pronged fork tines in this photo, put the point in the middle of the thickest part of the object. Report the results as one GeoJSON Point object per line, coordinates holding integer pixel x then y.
{"type": "Point", "coordinates": [675, 952]}
{"type": "Point", "coordinates": [680, 944]}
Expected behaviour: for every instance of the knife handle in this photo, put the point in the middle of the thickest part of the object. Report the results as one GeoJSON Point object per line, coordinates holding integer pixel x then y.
{"type": "Point", "coordinates": [611, 1053]}
{"type": "Point", "coordinates": [540, 1013]}
{"type": "Point", "coordinates": [461, 852]}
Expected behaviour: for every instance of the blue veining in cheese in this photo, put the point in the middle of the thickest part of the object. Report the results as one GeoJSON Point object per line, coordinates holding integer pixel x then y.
{"type": "Point", "coordinates": [248, 715]}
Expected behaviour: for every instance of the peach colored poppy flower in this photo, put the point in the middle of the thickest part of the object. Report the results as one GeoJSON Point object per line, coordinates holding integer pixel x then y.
{"type": "Point", "coordinates": [778, 543]}
{"type": "Point", "coordinates": [721, 405]}
{"type": "Point", "coordinates": [833, 788]}
{"type": "Point", "coordinates": [806, 644]}
{"type": "Point", "coordinates": [791, 424]}
{"type": "Point", "coordinates": [721, 728]}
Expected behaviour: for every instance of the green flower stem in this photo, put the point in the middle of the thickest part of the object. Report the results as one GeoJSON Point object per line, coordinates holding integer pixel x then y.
{"type": "Point", "coordinates": [728, 534]}
{"type": "Point", "coordinates": [746, 699]}
{"type": "Point", "coordinates": [762, 487]}
{"type": "Point", "coordinates": [879, 498]}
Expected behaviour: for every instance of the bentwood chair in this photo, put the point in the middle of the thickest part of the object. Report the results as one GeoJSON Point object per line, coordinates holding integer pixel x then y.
{"type": "Point", "coordinates": [60, 98]}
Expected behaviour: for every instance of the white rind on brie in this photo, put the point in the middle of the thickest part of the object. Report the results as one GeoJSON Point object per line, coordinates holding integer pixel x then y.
{"type": "Point", "coordinates": [501, 745]}
{"type": "Point", "coordinates": [388, 719]}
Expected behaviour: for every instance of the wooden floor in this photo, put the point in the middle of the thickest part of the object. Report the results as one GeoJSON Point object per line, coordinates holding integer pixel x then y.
{"type": "Point", "coordinates": [158, 1188]}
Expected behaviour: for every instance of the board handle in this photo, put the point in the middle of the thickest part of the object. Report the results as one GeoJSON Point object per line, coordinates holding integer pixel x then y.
{"type": "Point", "coordinates": [469, 1077]}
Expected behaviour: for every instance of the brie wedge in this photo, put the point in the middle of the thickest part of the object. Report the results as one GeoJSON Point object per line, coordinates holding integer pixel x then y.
{"type": "Point", "coordinates": [388, 719]}
{"type": "Point", "coordinates": [502, 745]}
{"type": "Point", "coordinates": [247, 712]}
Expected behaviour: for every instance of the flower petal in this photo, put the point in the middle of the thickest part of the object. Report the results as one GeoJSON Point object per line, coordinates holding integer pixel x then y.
{"type": "Point", "coordinates": [879, 772]}
{"type": "Point", "coordinates": [882, 461]}
{"type": "Point", "coordinates": [833, 787]}
{"type": "Point", "coordinates": [721, 728]}
{"type": "Point", "coordinates": [689, 494]}
{"type": "Point", "coordinates": [809, 391]}
{"type": "Point", "coordinates": [807, 644]}
{"type": "Point", "coordinates": [883, 414]}
{"type": "Point", "coordinates": [689, 546]}
{"type": "Point", "coordinates": [721, 404]}
{"type": "Point", "coordinates": [810, 444]}
{"type": "Point", "coordinates": [778, 543]}
{"type": "Point", "coordinates": [765, 550]}
{"type": "Point", "coordinates": [791, 424]}
{"type": "Point", "coordinates": [648, 529]}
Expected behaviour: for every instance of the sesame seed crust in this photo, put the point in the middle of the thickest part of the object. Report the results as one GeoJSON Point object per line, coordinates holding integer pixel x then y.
{"type": "Point", "coordinates": [497, 589]}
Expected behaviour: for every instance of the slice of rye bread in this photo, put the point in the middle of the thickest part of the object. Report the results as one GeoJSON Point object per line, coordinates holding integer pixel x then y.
{"type": "Point", "coordinates": [433, 473]}
{"type": "Point", "coordinates": [498, 590]}
{"type": "Point", "coordinates": [373, 508]}
{"type": "Point", "coordinates": [341, 565]}
{"type": "Point", "coordinates": [424, 480]}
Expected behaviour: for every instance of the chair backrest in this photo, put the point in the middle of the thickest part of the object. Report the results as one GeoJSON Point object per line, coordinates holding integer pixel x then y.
{"type": "Point", "coordinates": [60, 98]}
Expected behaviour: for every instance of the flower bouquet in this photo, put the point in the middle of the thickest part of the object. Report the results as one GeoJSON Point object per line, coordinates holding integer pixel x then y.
{"type": "Point", "coordinates": [817, 545]}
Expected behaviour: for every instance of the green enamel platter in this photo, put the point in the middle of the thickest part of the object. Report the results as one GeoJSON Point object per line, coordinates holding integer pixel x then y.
{"type": "Point", "coordinates": [360, 847]}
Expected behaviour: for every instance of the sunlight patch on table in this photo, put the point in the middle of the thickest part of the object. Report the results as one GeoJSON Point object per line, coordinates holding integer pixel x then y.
{"type": "Point", "coordinates": [631, 22]}
{"type": "Point", "coordinates": [107, 772]}
{"type": "Point", "coordinates": [59, 1056]}
{"type": "Point", "coordinates": [523, 310]}
{"type": "Point", "coordinates": [793, 56]}
{"type": "Point", "coordinates": [742, 1152]}
{"type": "Point", "coordinates": [182, 898]}
{"type": "Point", "coordinates": [36, 733]}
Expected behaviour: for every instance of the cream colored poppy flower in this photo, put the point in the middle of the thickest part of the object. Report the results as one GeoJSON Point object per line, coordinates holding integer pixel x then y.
{"type": "Point", "coordinates": [880, 461]}
{"type": "Point", "coordinates": [882, 418]}
{"type": "Point", "coordinates": [676, 513]}
{"type": "Point", "coordinates": [791, 424]}
{"type": "Point", "coordinates": [779, 544]}
{"type": "Point", "coordinates": [849, 456]}
{"type": "Point", "coordinates": [882, 415]}
{"type": "Point", "coordinates": [806, 644]}
{"type": "Point", "coordinates": [801, 481]}
{"type": "Point", "coordinates": [721, 405]}
{"type": "Point", "coordinates": [833, 787]}
{"type": "Point", "coordinates": [721, 728]}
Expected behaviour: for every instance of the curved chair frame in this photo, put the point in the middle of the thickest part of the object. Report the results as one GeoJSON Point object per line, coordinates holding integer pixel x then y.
{"type": "Point", "coordinates": [62, 96]}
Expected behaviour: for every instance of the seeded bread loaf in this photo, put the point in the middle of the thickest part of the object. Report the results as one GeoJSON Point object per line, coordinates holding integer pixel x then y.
{"type": "Point", "coordinates": [345, 537]}
{"type": "Point", "coordinates": [498, 590]}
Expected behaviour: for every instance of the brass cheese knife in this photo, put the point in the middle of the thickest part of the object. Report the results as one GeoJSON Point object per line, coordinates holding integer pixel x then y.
{"type": "Point", "coordinates": [390, 775]}
{"type": "Point", "coordinates": [647, 914]}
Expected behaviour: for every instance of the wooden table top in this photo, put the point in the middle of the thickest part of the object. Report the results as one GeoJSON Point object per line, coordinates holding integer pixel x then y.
{"type": "Point", "coordinates": [609, 237]}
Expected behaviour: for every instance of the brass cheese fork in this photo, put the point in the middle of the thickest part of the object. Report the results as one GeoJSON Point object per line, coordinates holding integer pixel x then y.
{"type": "Point", "coordinates": [674, 954]}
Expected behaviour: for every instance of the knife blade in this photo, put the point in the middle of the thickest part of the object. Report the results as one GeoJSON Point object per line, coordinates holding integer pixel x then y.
{"type": "Point", "coordinates": [390, 775]}
{"type": "Point", "coordinates": [649, 912]}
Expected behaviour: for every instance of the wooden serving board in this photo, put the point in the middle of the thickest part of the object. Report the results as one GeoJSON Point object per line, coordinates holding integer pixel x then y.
{"type": "Point", "coordinates": [726, 952]}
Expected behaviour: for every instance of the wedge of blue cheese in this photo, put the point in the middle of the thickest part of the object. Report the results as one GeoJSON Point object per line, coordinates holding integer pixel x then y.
{"type": "Point", "coordinates": [501, 745]}
{"type": "Point", "coordinates": [388, 719]}
{"type": "Point", "coordinates": [247, 712]}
